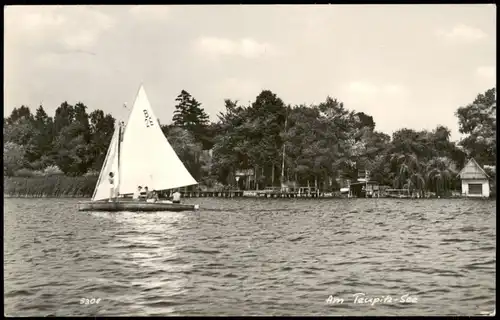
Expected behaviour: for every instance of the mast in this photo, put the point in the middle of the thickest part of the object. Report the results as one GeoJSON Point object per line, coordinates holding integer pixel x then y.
{"type": "Point", "coordinates": [120, 137]}
{"type": "Point", "coordinates": [121, 129]}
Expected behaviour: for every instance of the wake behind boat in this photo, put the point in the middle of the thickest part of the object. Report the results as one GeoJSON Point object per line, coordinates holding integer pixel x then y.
{"type": "Point", "coordinates": [139, 155]}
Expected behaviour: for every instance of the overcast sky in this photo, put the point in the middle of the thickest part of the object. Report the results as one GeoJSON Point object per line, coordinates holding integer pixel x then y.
{"type": "Point", "coordinates": [406, 65]}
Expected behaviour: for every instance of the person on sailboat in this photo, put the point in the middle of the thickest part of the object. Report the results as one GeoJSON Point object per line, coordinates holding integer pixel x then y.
{"type": "Point", "coordinates": [176, 197]}
{"type": "Point", "coordinates": [137, 193]}
{"type": "Point", "coordinates": [151, 196]}
{"type": "Point", "coordinates": [111, 187]}
{"type": "Point", "coordinates": [148, 193]}
{"type": "Point", "coordinates": [155, 196]}
{"type": "Point", "coordinates": [162, 200]}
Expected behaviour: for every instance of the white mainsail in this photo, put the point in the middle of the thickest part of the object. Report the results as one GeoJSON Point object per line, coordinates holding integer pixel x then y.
{"type": "Point", "coordinates": [146, 156]}
{"type": "Point", "coordinates": [102, 188]}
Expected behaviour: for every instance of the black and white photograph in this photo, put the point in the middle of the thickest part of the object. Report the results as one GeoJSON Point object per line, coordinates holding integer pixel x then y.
{"type": "Point", "coordinates": [249, 160]}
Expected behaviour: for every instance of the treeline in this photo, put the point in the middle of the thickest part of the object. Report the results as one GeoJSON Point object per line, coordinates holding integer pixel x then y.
{"type": "Point", "coordinates": [318, 145]}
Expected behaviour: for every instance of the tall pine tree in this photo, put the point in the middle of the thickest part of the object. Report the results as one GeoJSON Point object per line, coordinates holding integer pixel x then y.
{"type": "Point", "coordinates": [190, 115]}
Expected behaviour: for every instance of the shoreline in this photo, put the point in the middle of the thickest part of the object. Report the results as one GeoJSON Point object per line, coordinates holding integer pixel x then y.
{"type": "Point", "coordinates": [10, 196]}
{"type": "Point", "coordinates": [65, 187]}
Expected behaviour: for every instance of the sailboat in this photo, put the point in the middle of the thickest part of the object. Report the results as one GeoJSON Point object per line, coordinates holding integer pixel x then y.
{"type": "Point", "coordinates": [139, 155]}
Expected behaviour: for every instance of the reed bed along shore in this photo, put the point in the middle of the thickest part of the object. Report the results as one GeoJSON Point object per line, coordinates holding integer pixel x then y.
{"type": "Point", "coordinates": [50, 186]}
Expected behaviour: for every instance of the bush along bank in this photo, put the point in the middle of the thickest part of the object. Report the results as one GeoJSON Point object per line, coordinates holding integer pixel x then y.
{"type": "Point", "coordinates": [50, 186]}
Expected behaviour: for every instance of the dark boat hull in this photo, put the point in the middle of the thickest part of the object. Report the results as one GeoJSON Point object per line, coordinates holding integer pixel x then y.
{"type": "Point", "coordinates": [134, 206]}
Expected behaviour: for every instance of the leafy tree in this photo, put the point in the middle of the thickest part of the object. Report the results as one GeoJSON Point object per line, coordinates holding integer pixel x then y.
{"type": "Point", "coordinates": [187, 149]}
{"type": "Point", "coordinates": [410, 174]}
{"type": "Point", "coordinates": [64, 117]}
{"type": "Point", "coordinates": [101, 131]}
{"type": "Point", "coordinates": [478, 121]}
{"type": "Point", "coordinates": [492, 173]}
{"type": "Point", "coordinates": [306, 156]}
{"type": "Point", "coordinates": [13, 158]}
{"type": "Point", "coordinates": [81, 118]}
{"type": "Point", "coordinates": [210, 132]}
{"type": "Point", "coordinates": [366, 120]}
{"type": "Point", "coordinates": [265, 124]}
{"type": "Point", "coordinates": [231, 142]}
{"type": "Point", "coordinates": [74, 152]}
{"type": "Point", "coordinates": [20, 132]}
{"type": "Point", "coordinates": [18, 127]}
{"type": "Point", "coordinates": [440, 175]}
{"type": "Point", "coordinates": [373, 155]}
{"type": "Point", "coordinates": [249, 137]}
{"type": "Point", "coordinates": [23, 112]}
{"type": "Point", "coordinates": [40, 154]}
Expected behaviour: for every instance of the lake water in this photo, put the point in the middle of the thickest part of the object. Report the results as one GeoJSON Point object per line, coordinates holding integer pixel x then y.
{"type": "Point", "coordinates": [252, 257]}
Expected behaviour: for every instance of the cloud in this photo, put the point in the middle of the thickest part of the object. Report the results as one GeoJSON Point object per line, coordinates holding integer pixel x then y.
{"type": "Point", "coordinates": [488, 72]}
{"type": "Point", "coordinates": [246, 47]}
{"type": "Point", "coordinates": [150, 12]}
{"type": "Point", "coordinates": [73, 27]}
{"type": "Point", "coordinates": [462, 33]}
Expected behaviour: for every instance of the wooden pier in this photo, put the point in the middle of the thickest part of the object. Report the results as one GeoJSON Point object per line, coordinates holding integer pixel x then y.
{"type": "Point", "coordinates": [212, 194]}
{"type": "Point", "coordinates": [253, 194]}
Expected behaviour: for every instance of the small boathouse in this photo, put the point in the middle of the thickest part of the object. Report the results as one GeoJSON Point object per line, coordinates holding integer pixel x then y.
{"type": "Point", "coordinates": [475, 181]}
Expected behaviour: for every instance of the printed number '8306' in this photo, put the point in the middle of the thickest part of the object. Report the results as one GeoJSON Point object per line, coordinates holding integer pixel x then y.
{"type": "Point", "coordinates": [90, 301]}
{"type": "Point", "coordinates": [147, 119]}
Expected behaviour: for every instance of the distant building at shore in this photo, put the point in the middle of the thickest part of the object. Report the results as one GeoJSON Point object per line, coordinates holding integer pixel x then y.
{"type": "Point", "coordinates": [475, 181]}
